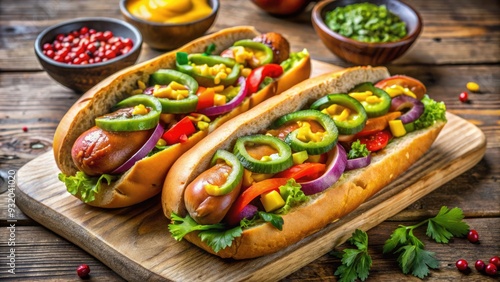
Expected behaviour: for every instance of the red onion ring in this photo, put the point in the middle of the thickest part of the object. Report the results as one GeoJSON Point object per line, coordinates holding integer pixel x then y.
{"type": "Point", "coordinates": [142, 152]}
{"type": "Point", "coordinates": [358, 162]}
{"type": "Point", "coordinates": [401, 102]}
{"type": "Point", "coordinates": [249, 211]}
{"type": "Point", "coordinates": [219, 110]}
{"type": "Point", "coordinates": [337, 159]}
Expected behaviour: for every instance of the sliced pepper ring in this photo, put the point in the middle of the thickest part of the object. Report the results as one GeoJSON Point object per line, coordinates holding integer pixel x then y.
{"type": "Point", "coordinates": [281, 161]}
{"type": "Point", "coordinates": [351, 124]}
{"type": "Point", "coordinates": [234, 177]}
{"type": "Point", "coordinates": [183, 65]}
{"type": "Point", "coordinates": [125, 121]}
{"type": "Point", "coordinates": [258, 46]}
{"type": "Point", "coordinates": [374, 109]}
{"type": "Point", "coordinates": [182, 106]}
{"type": "Point", "coordinates": [328, 138]}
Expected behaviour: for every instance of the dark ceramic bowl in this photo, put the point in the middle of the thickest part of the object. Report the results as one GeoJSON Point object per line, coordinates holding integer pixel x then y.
{"type": "Point", "coordinates": [362, 53]}
{"type": "Point", "coordinates": [166, 36]}
{"type": "Point", "coordinates": [81, 78]}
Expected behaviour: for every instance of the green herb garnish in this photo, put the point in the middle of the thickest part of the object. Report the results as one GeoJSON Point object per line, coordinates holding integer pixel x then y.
{"type": "Point", "coordinates": [356, 263]}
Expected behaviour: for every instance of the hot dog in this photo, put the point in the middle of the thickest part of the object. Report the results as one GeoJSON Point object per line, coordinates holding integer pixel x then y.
{"type": "Point", "coordinates": [299, 161]}
{"type": "Point", "coordinates": [108, 145]}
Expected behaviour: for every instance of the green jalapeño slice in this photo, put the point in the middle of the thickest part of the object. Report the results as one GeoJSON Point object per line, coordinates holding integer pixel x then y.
{"type": "Point", "coordinates": [347, 113]}
{"type": "Point", "coordinates": [208, 70]}
{"type": "Point", "coordinates": [138, 112]}
{"type": "Point", "coordinates": [375, 100]}
{"type": "Point", "coordinates": [315, 140]}
{"type": "Point", "coordinates": [279, 160]}
{"type": "Point", "coordinates": [175, 90]}
{"type": "Point", "coordinates": [234, 177]}
{"type": "Point", "coordinates": [262, 54]}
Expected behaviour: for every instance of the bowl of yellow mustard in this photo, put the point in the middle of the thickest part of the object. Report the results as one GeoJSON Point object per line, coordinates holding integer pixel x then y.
{"type": "Point", "coordinates": [168, 24]}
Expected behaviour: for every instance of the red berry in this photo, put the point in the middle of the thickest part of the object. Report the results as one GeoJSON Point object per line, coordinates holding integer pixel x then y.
{"type": "Point", "coordinates": [473, 236]}
{"type": "Point", "coordinates": [480, 265]}
{"type": "Point", "coordinates": [495, 260]}
{"type": "Point", "coordinates": [491, 269]}
{"type": "Point", "coordinates": [462, 265]}
{"type": "Point", "coordinates": [83, 271]}
{"type": "Point", "coordinates": [464, 97]}
{"type": "Point", "coordinates": [25, 128]}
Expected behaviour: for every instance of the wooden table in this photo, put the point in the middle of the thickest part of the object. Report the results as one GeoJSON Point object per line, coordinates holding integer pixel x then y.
{"type": "Point", "coordinates": [460, 43]}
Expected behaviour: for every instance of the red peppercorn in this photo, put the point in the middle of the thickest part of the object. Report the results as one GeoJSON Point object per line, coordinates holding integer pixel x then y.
{"type": "Point", "coordinates": [83, 270]}
{"type": "Point", "coordinates": [463, 97]}
{"type": "Point", "coordinates": [25, 128]}
{"type": "Point", "coordinates": [491, 269]}
{"type": "Point", "coordinates": [480, 265]}
{"type": "Point", "coordinates": [473, 236]}
{"type": "Point", "coordinates": [495, 260]}
{"type": "Point", "coordinates": [462, 265]}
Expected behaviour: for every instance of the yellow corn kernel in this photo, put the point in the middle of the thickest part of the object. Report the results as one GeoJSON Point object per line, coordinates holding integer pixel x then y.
{"type": "Point", "coordinates": [140, 110]}
{"type": "Point", "coordinates": [162, 92]}
{"type": "Point", "coordinates": [272, 201]}
{"type": "Point", "coordinates": [373, 99]}
{"type": "Point", "coordinates": [246, 72]}
{"type": "Point", "coordinates": [219, 100]}
{"type": "Point", "coordinates": [202, 125]}
{"type": "Point", "coordinates": [219, 76]}
{"type": "Point", "coordinates": [177, 86]}
{"type": "Point", "coordinates": [167, 118]}
{"type": "Point", "coordinates": [343, 116]}
{"type": "Point", "coordinates": [180, 94]}
{"type": "Point", "coordinates": [137, 91]}
{"type": "Point", "coordinates": [247, 178]}
{"type": "Point", "coordinates": [141, 84]}
{"type": "Point", "coordinates": [472, 86]}
{"type": "Point", "coordinates": [332, 109]}
{"type": "Point", "coordinates": [397, 128]}
{"type": "Point", "coordinates": [218, 88]}
{"type": "Point", "coordinates": [161, 142]}
{"type": "Point", "coordinates": [396, 90]}
{"type": "Point", "coordinates": [361, 96]}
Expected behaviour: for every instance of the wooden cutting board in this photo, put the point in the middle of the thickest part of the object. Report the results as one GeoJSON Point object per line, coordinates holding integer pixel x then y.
{"type": "Point", "coordinates": [136, 244]}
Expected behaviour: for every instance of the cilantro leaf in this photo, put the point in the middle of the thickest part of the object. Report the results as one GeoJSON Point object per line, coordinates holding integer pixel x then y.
{"type": "Point", "coordinates": [84, 185]}
{"type": "Point", "coordinates": [214, 235]}
{"type": "Point", "coordinates": [446, 224]}
{"type": "Point", "coordinates": [356, 263]}
{"type": "Point", "coordinates": [416, 260]}
{"type": "Point", "coordinates": [276, 220]}
{"type": "Point", "coordinates": [398, 238]}
{"type": "Point", "coordinates": [220, 239]}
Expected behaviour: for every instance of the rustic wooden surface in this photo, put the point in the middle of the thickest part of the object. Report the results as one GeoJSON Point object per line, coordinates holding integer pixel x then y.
{"type": "Point", "coordinates": [460, 42]}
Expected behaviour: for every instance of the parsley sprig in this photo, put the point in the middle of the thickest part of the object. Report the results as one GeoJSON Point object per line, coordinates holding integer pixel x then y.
{"type": "Point", "coordinates": [356, 263]}
{"type": "Point", "coordinates": [413, 258]}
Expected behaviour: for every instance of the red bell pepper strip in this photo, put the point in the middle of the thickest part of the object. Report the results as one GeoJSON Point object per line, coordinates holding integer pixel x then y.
{"type": "Point", "coordinates": [205, 97]}
{"type": "Point", "coordinates": [302, 170]}
{"type": "Point", "coordinates": [257, 76]}
{"type": "Point", "coordinates": [377, 141]}
{"type": "Point", "coordinates": [252, 192]}
{"type": "Point", "coordinates": [179, 132]}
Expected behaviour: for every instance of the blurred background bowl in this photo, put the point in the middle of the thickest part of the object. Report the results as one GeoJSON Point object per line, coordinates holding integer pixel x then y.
{"type": "Point", "coordinates": [169, 36]}
{"type": "Point", "coordinates": [362, 53]}
{"type": "Point", "coordinates": [81, 77]}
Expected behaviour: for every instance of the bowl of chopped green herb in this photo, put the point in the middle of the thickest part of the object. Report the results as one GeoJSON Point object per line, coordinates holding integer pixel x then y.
{"type": "Point", "coordinates": [366, 32]}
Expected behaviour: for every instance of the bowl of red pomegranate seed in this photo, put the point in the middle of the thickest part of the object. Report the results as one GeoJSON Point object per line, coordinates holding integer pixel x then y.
{"type": "Point", "coordinates": [80, 53]}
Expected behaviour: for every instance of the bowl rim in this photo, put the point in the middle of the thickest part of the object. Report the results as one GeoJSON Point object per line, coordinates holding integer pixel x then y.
{"type": "Point", "coordinates": [126, 13]}
{"type": "Point", "coordinates": [42, 56]}
{"type": "Point", "coordinates": [408, 38]}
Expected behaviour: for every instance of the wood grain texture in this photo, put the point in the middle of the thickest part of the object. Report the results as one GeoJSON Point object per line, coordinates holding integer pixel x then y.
{"type": "Point", "coordinates": [135, 242]}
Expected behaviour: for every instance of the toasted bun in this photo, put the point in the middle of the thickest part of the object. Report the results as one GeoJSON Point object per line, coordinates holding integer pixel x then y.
{"type": "Point", "coordinates": [146, 177]}
{"type": "Point", "coordinates": [340, 199]}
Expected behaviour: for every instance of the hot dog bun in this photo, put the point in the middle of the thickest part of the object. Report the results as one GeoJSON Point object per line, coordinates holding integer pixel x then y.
{"type": "Point", "coordinates": [145, 178]}
{"type": "Point", "coordinates": [344, 196]}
